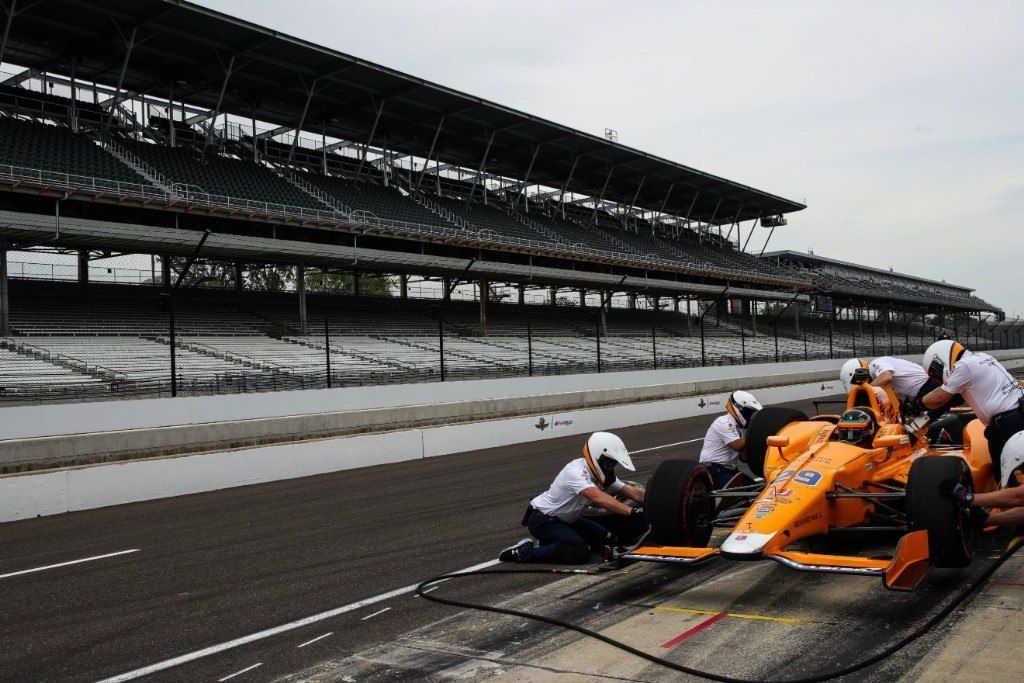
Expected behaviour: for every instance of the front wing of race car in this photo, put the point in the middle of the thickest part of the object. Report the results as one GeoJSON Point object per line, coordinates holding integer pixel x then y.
{"type": "Point", "coordinates": [902, 572]}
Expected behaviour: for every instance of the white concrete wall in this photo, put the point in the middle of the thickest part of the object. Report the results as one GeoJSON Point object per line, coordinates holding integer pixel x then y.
{"type": "Point", "coordinates": [30, 495]}
{"type": "Point", "coordinates": [22, 422]}
{"type": "Point", "coordinates": [47, 493]}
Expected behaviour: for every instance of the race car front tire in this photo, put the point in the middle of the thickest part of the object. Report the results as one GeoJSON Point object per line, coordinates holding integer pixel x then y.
{"type": "Point", "coordinates": [950, 532]}
{"type": "Point", "coordinates": [677, 506]}
{"type": "Point", "coordinates": [767, 422]}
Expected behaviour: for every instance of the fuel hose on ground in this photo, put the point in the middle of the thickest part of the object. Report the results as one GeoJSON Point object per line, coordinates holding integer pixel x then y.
{"type": "Point", "coordinates": [880, 656]}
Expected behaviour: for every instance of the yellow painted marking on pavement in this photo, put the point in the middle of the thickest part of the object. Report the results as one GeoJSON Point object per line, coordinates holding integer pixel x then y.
{"type": "Point", "coordinates": [734, 615]}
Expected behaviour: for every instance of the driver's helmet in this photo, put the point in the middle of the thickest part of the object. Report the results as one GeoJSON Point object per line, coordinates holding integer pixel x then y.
{"type": "Point", "coordinates": [857, 426]}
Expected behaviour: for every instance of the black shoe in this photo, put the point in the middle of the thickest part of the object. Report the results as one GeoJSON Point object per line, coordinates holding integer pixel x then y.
{"type": "Point", "coordinates": [514, 553]}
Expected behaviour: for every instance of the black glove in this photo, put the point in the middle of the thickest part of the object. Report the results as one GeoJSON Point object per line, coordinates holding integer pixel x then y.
{"type": "Point", "coordinates": [637, 511]}
{"type": "Point", "coordinates": [978, 516]}
{"type": "Point", "coordinates": [916, 406]}
{"type": "Point", "coordinates": [958, 492]}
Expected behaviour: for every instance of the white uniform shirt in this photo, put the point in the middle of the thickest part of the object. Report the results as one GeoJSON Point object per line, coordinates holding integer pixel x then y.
{"type": "Point", "coordinates": [907, 377]}
{"type": "Point", "coordinates": [722, 432]}
{"type": "Point", "coordinates": [985, 385]}
{"type": "Point", "coordinates": [563, 499]}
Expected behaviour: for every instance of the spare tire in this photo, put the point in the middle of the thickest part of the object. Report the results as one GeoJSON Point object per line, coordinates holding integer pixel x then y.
{"type": "Point", "coordinates": [950, 532]}
{"type": "Point", "coordinates": [677, 506]}
{"type": "Point", "coordinates": [767, 422]}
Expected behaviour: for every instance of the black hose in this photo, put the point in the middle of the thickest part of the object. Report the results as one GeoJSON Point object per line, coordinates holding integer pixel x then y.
{"type": "Point", "coordinates": [887, 652]}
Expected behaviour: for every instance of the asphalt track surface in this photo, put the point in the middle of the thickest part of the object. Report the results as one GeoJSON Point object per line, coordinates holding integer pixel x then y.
{"type": "Point", "coordinates": [211, 568]}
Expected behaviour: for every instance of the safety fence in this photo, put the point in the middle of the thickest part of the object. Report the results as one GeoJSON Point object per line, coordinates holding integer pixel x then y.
{"type": "Point", "coordinates": [196, 343]}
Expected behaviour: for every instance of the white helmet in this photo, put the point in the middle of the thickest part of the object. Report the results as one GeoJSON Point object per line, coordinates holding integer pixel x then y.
{"type": "Point", "coordinates": [742, 405]}
{"type": "Point", "coordinates": [940, 358]}
{"type": "Point", "coordinates": [849, 369]}
{"type": "Point", "coordinates": [606, 445]}
{"type": "Point", "coordinates": [1011, 462]}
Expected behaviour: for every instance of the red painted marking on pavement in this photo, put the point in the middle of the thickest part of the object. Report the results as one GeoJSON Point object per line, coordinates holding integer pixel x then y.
{"type": "Point", "coordinates": [695, 630]}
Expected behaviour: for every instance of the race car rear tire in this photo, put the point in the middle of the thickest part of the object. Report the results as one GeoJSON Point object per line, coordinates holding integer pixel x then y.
{"type": "Point", "coordinates": [676, 505]}
{"type": "Point", "coordinates": [950, 532]}
{"type": "Point", "coordinates": [767, 422]}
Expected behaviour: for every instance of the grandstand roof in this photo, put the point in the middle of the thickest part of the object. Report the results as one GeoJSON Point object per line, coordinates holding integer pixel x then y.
{"type": "Point", "coordinates": [189, 46]}
{"type": "Point", "coordinates": [815, 258]}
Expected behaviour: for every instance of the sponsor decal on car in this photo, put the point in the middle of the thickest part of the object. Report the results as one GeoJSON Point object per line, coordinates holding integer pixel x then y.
{"type": "Point", "coordinates": [807, 477]}
{"type": "Point", "coordinates": [808, 519]}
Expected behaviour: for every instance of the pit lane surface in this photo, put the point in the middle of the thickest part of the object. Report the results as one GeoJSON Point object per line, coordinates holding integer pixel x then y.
{"type": "Point", "coordinates": [211, 568]}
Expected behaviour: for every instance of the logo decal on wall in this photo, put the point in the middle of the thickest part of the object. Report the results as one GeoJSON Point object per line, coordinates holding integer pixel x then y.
{"type": "Point", "coordinates": [542, 424]}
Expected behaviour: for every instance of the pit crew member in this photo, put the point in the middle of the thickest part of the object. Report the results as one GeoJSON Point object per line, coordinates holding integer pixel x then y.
{"type": "Point", "coordinates": [990, 391]}
{"type": "Point", "coordinates": [555, 516]}
{"type": "Point", "coordinates": [1009, 500]}
{"type": "Point", "coordinates": [726, 438]}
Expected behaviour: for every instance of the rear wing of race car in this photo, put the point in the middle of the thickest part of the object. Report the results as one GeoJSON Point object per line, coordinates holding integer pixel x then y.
{"type": "Point", "coordinates": [902, 572]}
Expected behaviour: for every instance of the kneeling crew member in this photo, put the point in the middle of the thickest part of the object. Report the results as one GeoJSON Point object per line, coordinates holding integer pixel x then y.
{"type": "Point", "coordinates": [555, 516]}
{"type": "Point", "coordinates": [726, 438]}
{"type": "Point", "coordinates": [986, 386]}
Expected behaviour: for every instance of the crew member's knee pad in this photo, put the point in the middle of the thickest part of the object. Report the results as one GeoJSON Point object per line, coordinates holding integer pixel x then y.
{"type": "Point", "coordinates": [572, 553]}
{"type": "Point", "coordinates": [1011, 462]}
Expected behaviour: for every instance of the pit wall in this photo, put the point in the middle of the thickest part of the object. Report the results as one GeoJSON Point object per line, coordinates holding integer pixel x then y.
{"type": "Point", "coordinates": [85, 487]}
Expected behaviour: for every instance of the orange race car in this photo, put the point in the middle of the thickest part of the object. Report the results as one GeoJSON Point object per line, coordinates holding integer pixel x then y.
{"type": "Point", "coordinates": [816, 482]}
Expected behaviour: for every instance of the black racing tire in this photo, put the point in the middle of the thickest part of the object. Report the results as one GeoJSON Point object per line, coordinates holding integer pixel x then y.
{"type": "Point", "coordinates": [677, 506]}
{"type": "Point", "coordinates": [951, 534]}
{"type": "Point", "coordinates": [767, 422]}
{"type": "Point", "coordinates": [952, 424]}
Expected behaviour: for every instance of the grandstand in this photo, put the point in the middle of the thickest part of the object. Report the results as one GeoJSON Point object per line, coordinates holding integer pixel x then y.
{"type": "Point", "coordinates": [277, 155]}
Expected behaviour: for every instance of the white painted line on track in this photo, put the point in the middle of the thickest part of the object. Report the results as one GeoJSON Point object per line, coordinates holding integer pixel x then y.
{"type": "Point", "coordinates": [371, 616]}
{"type": "Point", "coordinates": [326, 635]}
{"type": "Point", "coordinates": [239, 673]}
{"type": "Point", "coordinates": [276, 630]}
{"type": "Point", "coordinates": [667, 445]}
{"type": "Point", "coordinates": [68, 563]}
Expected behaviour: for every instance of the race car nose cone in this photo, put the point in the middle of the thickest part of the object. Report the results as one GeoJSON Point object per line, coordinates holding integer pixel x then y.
{"type": "Point", "coordinates": [740, 543]}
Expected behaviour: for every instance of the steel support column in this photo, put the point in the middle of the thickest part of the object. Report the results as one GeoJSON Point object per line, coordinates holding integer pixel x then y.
{"type": "Point", "coordinates": [83, 266]}
{"type": "Point", "coordinates": [600, 197]}
{"type": "Point", "coordinates": [300, 288]}
{"type": "Point", "coordinates": [664, 202]}
{"type": "Point", "coordinates": [485, 294]}
{"type": "Point", "coordinates": [302, 121]}
{"type": "Point", "coordinates": [120, 80]}
{"type": "Point", "coordinates": [714, 214]}
{"type": "Point", "coordinates": [220, 101]}
{"type": "Point", "coordinates": [526, 178]}
{"type": "Point", "coordinates": [636, 195]}
{"type": "Point", "coordinates": [561, 194]}
{"type": "Point", "coordinates": [749, 234]}
{"type": "Point", "coordinates": [736, 224]}
{"type": "Point", "coordinates": [430, 153]}
{"type": "Point", "coordinates": [5, 302]}
{"type": "Point", "coordinates": [369, 139]}
{"type": "Point", "coordinates": [7, 28]}
{"type": "Point", "coordinates": [480, 168]}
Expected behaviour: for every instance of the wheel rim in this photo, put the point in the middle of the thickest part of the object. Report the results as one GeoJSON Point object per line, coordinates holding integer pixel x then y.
{"type": "Point", "coordinates": [699, 507]}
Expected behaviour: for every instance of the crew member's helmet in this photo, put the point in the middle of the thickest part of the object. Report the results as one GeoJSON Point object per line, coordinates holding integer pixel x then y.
{"type": "Point", "coordinates": [742, 405]}
{"type": "Point", "coordinates": [603, 451]}
{"type": "Point", "coordinates": [857, 426]}
{"type": "Point", "coordinates": [941, 357]}
{"type": "Point", "coordinates": [854, 371]}
{"type": "Point", "coordinates": [1011, 462]}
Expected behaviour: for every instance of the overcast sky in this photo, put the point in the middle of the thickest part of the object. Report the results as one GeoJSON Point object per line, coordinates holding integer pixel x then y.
{"type": "Point", "coordinates": [900, 125]}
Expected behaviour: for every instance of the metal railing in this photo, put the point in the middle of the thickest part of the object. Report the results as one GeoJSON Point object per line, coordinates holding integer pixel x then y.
{"type": "Point", "coordinates": [194, 196]}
